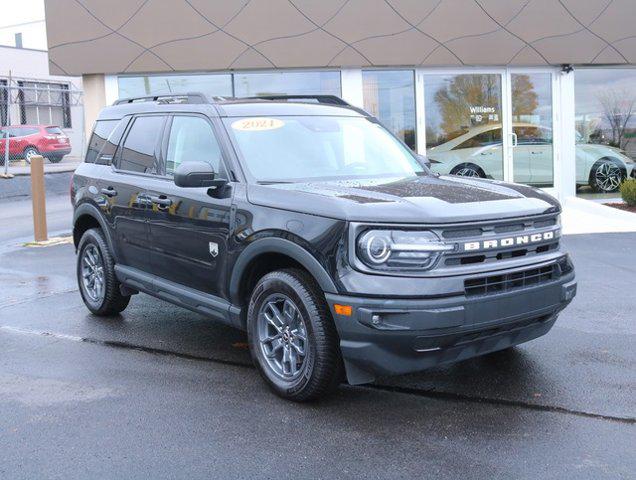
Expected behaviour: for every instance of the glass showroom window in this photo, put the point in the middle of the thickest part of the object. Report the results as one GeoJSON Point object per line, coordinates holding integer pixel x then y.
{"type": "Point", "coordinates": [138, 86]}
{"type": "Point", "coordinates": [287, 83]}
{"type": "Point", "coordinates": [605, 104]}
{"type": "Point", "coordinates": [463, 124]}
{"type": "Point", "coordinates": [390, 96]}
{"type": "Point", "coordinates": [42, 103]}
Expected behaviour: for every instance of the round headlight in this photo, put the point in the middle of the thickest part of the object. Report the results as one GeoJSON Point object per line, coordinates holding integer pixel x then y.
{"type": "Point", "coordinates": [400, 249]}
{"type": "Point", "coordinates": [377, 248]}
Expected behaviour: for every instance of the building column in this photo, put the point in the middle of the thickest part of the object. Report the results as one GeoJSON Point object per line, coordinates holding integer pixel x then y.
{"type": "Point", "coordinates": [351, 85]}
{"type": "Point", "coordinates": [94, 100]}
{"type": "Point", "coordinates": [566, 176]}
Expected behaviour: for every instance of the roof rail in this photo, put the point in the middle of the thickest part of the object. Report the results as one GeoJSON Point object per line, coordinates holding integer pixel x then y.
{"type": "Point", "coordinates": [328, 99]}
{"type": "Point", "coordinates": [190, 97]}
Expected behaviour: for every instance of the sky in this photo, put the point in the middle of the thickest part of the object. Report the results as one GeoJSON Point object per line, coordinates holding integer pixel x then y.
{"type": "Point", "coordinates": [26, 17]}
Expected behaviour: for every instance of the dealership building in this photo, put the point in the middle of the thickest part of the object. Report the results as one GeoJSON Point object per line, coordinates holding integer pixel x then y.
{"type": "Point", "coordinates": [541, 92]}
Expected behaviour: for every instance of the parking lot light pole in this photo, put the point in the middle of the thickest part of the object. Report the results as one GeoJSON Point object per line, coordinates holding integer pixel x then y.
{"type": "Point", "coordinates": [39, 201]}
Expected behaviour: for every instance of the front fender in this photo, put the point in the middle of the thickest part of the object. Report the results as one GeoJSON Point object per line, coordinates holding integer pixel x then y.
{"type": "Point", "coordinates": [284, 247]}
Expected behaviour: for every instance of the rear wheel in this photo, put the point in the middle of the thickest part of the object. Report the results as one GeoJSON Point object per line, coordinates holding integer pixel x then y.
{"type": "Point", "coordinates": [96, 278]}
{"type": "Point", "coordinates": [292, 337]}
{"type": "Point", "coordinates": [29, 153]}
{"type": "Point", "coordinates": [468, 170]}
{"type": "Point", "coordinates": [606, 176]}
{"type": "Point", "coordinates": [55, 159]}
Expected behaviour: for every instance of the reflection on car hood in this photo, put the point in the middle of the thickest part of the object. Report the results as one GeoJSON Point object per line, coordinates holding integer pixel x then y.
{"type": "Point", "coordinates": [425, 199]}
{"type": "Point", "coordinates": [602, 150]}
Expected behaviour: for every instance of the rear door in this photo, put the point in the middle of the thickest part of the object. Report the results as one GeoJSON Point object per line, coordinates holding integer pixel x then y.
{"type": "Point", "coordinates": [189, 229]}
{"type": "Point", "coordinates": [136, 162]}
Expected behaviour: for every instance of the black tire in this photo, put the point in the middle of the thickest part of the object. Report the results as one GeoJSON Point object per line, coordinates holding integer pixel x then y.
{"type": "Point", "coordinates": [112, 301]}
{"type": "Point", "coordinates": [468, 170]}
{"type": "Point", "coordinates": [612, 175]}
{"type": "Point", "coordinates": [57, 159]}
{"type": "Point", "coordinates": [28, 152]}
{"type": "Point", "coordinates": [322, 370]}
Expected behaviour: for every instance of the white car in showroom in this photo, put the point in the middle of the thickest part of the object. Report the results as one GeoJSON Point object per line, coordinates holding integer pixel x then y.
{"type": "Point", "coordinates": [478, 153]}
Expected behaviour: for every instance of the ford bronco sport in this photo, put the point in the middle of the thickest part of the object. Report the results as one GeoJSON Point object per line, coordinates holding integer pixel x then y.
{"type": "Point", "coordinates": [305, 222]}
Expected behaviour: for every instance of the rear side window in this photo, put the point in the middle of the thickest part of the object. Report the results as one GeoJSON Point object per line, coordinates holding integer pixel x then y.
{"type": "Point", "coordinates": [138, 153]}
{"type": "Point", "coordinates": [192, 139]}
{"type": "Point", "coordinates": [54, 130]}
{"type": "Point", "coordinates": [23, 131]}
{"type": "Point", "coordinates": [101, 132]}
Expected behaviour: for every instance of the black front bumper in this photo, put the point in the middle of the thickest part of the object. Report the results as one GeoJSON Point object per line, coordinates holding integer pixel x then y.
{"type": "Point", "coordinates": [397, 336]}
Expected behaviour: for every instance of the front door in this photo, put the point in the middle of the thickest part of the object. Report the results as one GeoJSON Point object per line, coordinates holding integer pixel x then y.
{"type": "Point", "coordinates": [125, 190]}
{"type": "Point", "coordinates": [492, 123]}
{"type": "Point", "coordinates": [189, 228]}
{"type": "Point", "coordinates": [530, 127]}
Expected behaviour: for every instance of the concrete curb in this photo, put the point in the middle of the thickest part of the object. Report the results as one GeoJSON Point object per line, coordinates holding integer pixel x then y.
{"type": "Point", "coordinates": [26, 171]}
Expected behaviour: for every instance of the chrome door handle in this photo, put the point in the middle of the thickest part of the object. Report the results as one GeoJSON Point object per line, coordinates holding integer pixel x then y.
{"type": "Point", "coordinates": [161, 201]}
{"type": "Point", "coordinates": [109, 192]}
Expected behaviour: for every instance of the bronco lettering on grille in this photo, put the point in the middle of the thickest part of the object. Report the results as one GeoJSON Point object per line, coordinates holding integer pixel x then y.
{"type": "Point", "coordinates": [509, 241]}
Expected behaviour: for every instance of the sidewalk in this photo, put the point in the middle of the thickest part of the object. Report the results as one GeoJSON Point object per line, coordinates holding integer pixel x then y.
{"type": "Point", "coordinates": [21, 168]}
{"type": "Point", "coordinates": [585, 216]}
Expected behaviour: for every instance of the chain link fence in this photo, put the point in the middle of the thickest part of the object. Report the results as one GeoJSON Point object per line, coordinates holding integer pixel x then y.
{"type": "Point", "coordinates": [39, 118]}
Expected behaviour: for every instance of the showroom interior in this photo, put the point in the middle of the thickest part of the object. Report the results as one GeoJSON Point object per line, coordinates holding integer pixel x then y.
{"type": "Point", "coordinates": [541, 92]}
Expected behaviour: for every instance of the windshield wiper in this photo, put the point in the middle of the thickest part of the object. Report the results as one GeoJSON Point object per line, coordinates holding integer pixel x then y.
{"type": "Point", "coordinates": [272, 182]}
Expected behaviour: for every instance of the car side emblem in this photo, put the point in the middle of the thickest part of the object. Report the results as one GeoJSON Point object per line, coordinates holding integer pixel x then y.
{"type": "Point", "coordinates": [214, 249]}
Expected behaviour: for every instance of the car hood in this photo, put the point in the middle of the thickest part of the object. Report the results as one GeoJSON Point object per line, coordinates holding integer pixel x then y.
{"type": "Point", "coordinates": [421, 199]}
{"type": "Point", "coordinates": [602, 150]}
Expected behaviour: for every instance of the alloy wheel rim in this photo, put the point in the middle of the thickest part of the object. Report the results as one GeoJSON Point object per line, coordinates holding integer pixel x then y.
{"type": "Point", "coordinates": [93, 273]}
{"type": "Point", "coordinates": [282, 335]}
{"type": "Point", "coordinates": [29, 155]}
{"type": "Point", "coordinates": [608, 176]}
{"type": "Point", "coordinates": [467, 172]}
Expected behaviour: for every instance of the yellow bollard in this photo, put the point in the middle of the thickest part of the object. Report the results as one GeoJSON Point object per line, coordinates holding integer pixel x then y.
{"type": "Point", "coordinates": [39, 199]}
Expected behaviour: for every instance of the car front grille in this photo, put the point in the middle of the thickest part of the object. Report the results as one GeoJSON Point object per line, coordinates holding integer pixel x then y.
{"type": "Point", "coordinates": [512, 229]}
{"type": "Point", "coordinates": [506, 282]}
{"type": "Point", "coordinates": [509, 281]}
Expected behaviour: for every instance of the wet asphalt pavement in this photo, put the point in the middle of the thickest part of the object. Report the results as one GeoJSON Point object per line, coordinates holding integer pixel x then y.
{"type": "Point", "coordinates": [160, 392]}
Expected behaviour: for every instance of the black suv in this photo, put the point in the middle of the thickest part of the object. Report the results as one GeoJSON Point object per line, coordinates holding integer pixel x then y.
{"type": "Point", "coordinates": [305, 222]}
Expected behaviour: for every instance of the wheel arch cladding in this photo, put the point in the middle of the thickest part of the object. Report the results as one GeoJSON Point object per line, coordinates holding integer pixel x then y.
{"type": "Point", "coordinates": [85, 217]}
{"type": "Point", "coordinates": [273, 249]}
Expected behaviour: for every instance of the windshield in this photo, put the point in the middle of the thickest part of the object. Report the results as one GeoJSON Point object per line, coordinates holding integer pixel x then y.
{"type": "Point", "coordinates": [298, 148]}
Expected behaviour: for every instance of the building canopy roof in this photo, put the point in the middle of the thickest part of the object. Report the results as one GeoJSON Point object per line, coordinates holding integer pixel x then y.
{"type": "Point", "coordinates": [126, 36]}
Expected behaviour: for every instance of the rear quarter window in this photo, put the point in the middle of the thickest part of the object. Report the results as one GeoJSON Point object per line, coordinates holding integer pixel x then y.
{"type": "Point", "coordinates": [101, 132]}
{"type": "Point", "coordinates": [54, 130]}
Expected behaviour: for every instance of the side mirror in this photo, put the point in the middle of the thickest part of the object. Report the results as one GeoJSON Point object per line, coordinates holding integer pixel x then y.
{"type": "Point", "coordinates": [423, 160]}
{"type": "Point", "coordinates": [195, 174]}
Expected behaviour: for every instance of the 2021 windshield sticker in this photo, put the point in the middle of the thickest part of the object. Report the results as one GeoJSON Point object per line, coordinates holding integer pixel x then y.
{"type": "Point", "coordinates": [257, 124]}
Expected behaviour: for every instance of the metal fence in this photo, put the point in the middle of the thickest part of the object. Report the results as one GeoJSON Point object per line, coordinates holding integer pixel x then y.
{"type": "Point", "coordinates": [39, 117]}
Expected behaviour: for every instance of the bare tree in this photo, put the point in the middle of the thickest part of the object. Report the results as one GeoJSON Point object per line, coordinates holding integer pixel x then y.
{"type": "Point", "coordinates": [618, 109]}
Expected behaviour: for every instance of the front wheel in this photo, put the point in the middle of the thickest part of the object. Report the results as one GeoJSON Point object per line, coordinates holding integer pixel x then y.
{"type": "Point", "coordinates": [96, 278]}
{"type": "Point", "coordinates": [468, 170]}
{"type": "Point", "coordinates": [292, 337]}
{"type": "Point", "coordinates": [606, 176]}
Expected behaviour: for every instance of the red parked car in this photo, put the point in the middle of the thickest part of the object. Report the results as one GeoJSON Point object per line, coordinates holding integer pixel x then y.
{"type": "Point", "coordinates": [25, 141]}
